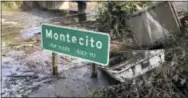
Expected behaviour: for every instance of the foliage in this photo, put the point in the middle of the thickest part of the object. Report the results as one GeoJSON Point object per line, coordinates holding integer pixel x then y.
{"type": "Point", "coordinates": [10, 6]}
{"type": "Point", "coordinates": [114, 15]}
{"type": "Point", "coordinates": [7, 5]}
{"type": "Point", "coordinates": [168, 81]}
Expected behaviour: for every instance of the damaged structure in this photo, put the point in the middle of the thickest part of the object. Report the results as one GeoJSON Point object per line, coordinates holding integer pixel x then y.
{"type": "Point", "coordinates": [150, 26]}
{"type": "Point", "coordinates": [137, 63]}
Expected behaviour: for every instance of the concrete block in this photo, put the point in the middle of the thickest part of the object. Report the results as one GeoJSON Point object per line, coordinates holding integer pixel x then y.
{"type": "Point", "coordinates": [153, 24]}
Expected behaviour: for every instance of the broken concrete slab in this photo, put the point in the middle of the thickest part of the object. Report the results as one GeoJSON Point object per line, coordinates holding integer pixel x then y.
{"type": "Point", "coordinates": [139, 63]}
{"type": "Point", "coordinates": [153, 24]}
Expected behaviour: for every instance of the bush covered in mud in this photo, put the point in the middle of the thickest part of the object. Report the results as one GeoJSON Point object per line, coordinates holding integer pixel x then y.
{"type": "Point", "coordinates": [168, 81]}
{"type": "Point", "coordinates": [6, 5]}
{"type": "Point", "coordinates": [113, 15]}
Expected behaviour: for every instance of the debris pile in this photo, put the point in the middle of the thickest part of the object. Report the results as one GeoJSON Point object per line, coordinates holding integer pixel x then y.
{"type": "Point", "coordinates": [168, 81]}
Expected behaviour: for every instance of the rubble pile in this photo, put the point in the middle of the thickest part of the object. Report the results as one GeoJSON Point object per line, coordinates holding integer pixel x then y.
{"type": "Point", "coordinates": [168, 81]}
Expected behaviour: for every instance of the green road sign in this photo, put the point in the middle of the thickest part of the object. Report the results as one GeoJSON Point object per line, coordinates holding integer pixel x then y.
{"type": "Point", "coordinates": [88, 45]}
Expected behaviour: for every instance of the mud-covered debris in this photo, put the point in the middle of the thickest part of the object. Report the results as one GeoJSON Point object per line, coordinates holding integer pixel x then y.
{"type": "Point", "coordinates": [168, 81]}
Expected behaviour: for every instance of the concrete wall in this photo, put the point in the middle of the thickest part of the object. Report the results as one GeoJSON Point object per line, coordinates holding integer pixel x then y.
{"type": "Point", "coordinates": [153, 24]}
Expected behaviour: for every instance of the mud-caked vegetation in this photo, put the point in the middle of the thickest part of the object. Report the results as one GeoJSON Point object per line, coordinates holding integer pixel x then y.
{"type": "Point", "coordinates": [167, 81]}
{"type": "Point", "coordinates": [10, 5]}
{"type": "Point", "coordinates": [113, 15]}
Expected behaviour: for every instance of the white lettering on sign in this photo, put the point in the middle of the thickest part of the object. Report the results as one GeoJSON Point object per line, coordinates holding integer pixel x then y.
{"type": "Point", "coordinates": [49, 34]}
{"type": "Point", "coordinates": [68, 40]}
{"type": "Point", "coordinates": [62, 37]}
{"type": "Point", "coordinates": [99, 44]}
{"type": "Point", "coordinates": [92, 40]}
{"type": "Point", "coordinates": [56, 36]}
{"type": "Point", "coordinates": [83, 41]}
{"type": "Point", "coordinates": [74, 39]}
{"type": "Point", "coordinates": [86, 40]}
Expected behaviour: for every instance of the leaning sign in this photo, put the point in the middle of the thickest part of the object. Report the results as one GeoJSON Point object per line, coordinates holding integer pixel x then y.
{"type": "Point", "coordinates": [89, 45]}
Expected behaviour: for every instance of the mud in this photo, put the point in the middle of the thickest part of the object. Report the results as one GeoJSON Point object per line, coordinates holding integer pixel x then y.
{"type": "Point", "coordinates": [26, 68]}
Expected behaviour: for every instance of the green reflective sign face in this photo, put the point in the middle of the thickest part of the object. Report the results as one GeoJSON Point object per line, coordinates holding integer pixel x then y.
{"type": "Point", "coordinates": [88, 45]}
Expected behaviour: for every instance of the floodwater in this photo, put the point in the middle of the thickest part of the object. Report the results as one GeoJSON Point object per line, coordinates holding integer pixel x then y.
{"type": "Point", "coordinates": [26, 68]}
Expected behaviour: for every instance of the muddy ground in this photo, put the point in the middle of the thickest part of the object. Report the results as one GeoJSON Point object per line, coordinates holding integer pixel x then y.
{"type": "Point", "coordinates": [26, 68]}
